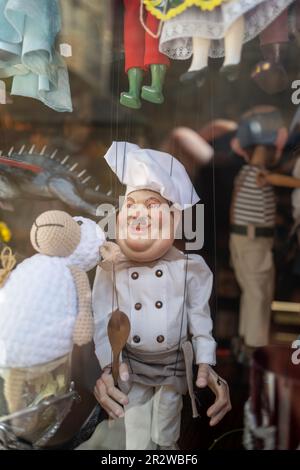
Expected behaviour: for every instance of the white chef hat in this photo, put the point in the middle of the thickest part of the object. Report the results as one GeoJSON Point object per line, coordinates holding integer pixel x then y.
{"type": "Point", "coordinates": [150, 169]}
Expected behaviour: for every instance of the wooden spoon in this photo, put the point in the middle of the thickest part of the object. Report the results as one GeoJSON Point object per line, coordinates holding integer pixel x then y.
{"type": "Point", "coordinates": [118, 330]}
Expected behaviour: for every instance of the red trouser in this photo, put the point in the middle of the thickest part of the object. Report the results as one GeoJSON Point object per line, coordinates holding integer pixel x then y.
{"type": "Point", "coordinates": [141, 49]}
{"type": "Point", "coordinates": [277, 31]}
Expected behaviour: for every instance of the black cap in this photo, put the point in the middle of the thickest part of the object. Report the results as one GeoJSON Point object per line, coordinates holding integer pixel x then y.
{"type": "Point", "coordinates": [259, 128]}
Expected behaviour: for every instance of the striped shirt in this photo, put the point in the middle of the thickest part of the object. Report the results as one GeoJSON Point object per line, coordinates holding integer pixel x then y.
{"type": "Point", "coordinates": [252, 204]}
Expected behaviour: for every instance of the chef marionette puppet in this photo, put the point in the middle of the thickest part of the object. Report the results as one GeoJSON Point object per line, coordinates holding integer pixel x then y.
{"type": "Point", "coordinates": [165, 294]}
{"type": "Point", "coordinates": [141, 44]}
{"type": "Point", "coordinates": [213, 29]}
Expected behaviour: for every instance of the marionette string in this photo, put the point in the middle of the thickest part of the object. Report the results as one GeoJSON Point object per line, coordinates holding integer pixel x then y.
{"type": "Point", "coordinates": [115, 188]}
{"type": "Point", "coordinates": [111, 179]}
{"type": "Point", "coordinates": [115, 292]}
{"type": "Point", "coordinates": [115, 137]}
{"type": "Point", "coordinates": [116, 111]}
{"type": "Point", "coordinates": [159, 29]}
{"type": "Point", "coordinates": [214, 198]}
{"type": "Point", "coordinates": [115, 116]}
{"type": "Point", "coordinates": [183, 307]}
{"type": "Point", "coordinates": [184, 299]}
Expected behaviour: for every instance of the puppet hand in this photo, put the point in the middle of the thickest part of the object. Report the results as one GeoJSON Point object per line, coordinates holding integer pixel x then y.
{"type": "Point", "coordinates": [110, 252]}
{"type": "Point", "coordinates": [202, 377]}
{"type": "Point", "coordinates": [110, 397]}
{"type": "Point", "coordinates": [222, 402]}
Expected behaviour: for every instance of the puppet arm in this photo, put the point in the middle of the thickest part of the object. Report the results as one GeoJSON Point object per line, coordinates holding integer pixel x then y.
{"type": "Point", "coordinates": [276, 179]}
{"type": "Point", "coordinates": [200, 326]}
{"type": "Point", "coordinates": [217, 128]}
{"type": "Point", "coordinates": [84, 326]}
{"type": "Point", "coordinates": [200, 281]}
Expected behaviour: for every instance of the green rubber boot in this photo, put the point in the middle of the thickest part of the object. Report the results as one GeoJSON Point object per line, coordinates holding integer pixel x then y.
{"type": "Point", "coordinates": [131, 98]}
{"type": "Point", "coordinates": [153, 93]}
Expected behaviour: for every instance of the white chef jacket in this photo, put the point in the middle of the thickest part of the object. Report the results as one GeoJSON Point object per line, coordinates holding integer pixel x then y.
{"type": "Point", "coordinates": [152, 296]}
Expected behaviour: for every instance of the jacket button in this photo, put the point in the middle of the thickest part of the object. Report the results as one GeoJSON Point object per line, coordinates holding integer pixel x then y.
{"type": "Point", "coordinates": [160, 339]}
{"type": "Point", "coordinates": [138, 306]}
{"type": "Point", "coordinates": [135, 275]}
{"type": "Point", "coordinates": [136, 339]}
{"type": "Point", "coordinates": [158, 304]}
{"type": "Point", "coordinates": [159, 273]}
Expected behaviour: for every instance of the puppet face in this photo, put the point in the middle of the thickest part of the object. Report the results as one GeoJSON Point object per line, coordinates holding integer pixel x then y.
{"type": "Point", "coordinates": [146, 226]}
{"type": "Point", "coordinates": [55, 233]}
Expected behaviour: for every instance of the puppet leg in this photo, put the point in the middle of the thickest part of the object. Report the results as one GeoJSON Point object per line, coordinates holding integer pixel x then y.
{"type": "Point", "coordinates": [138, 415]}
{"type": "Point", "coordinates": [153, 93]}
{"type": "Point", "coordinates": [198, 68]}
{"type": "Point", "coordinates": [158, 63]}
{"type": "Point", "coordinates": [167, 405]}
{"type": "Point", "coordinates": [134, 45]}
{"type": "Point", "coordinates": [233, 48]}
{"type": "Point", "coordinates": [238, 271]}
{"type": "Point", "coordinates": [254, 267]}
{"type": "Point", "coordinates": [269, 74]}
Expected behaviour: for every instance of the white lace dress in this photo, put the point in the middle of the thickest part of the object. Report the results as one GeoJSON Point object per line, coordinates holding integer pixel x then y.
{"type": "Point", "coordinates": [177, 33]}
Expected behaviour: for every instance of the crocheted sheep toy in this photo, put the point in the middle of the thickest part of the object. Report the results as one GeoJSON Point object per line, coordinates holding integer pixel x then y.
{"type": "Point", "coordinates": [45, 308]}
{"type": "Point", "coordinates": [45, 304]}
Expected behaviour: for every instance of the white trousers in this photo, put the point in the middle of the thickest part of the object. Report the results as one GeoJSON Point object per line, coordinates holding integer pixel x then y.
{"type": "Point", "coordinates": [153, 415]}
{"type": "Point", "coordinates": [254, 269]}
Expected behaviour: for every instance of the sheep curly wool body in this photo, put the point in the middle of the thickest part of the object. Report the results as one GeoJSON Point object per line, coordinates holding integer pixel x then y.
{"type": "Point", "coordinates": [39, 303]}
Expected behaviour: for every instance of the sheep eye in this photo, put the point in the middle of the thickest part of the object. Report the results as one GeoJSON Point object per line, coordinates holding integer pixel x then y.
{"type": "Point", "coordinates": [79, 222]}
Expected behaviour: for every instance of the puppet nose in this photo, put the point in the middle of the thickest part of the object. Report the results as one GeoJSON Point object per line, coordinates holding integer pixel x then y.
{"type": "Point", "coordinates": [137, 212]}
{"type": "Point", "coordinates": [140, 220]}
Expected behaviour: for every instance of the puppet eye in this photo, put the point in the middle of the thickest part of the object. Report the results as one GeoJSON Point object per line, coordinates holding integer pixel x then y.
{"type": "Point", "coordinates": [129, 202]}
{"type": "Point", "coordinates": [153, 204]}
{"type": "Point", "coordinates": [79, 222]}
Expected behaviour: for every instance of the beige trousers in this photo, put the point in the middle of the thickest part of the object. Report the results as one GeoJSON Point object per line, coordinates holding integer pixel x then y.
{"type": "Point", "coordinates": [252, 260]}
{"type": "Point", "coordinates": [153, 415]}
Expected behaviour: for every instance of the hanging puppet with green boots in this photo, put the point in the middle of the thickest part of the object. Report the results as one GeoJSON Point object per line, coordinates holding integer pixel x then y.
{"type": "Point", "coordinates": [141, 43]}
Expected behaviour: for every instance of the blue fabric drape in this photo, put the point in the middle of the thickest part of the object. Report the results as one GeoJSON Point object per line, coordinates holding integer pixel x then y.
{"type": "Point", "coordinates": [28, 30]}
